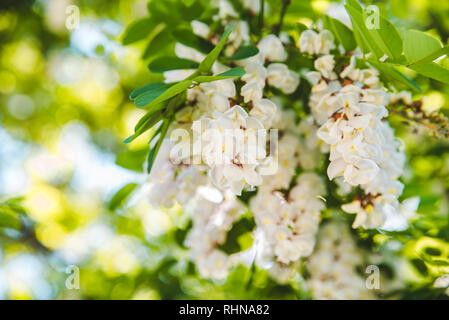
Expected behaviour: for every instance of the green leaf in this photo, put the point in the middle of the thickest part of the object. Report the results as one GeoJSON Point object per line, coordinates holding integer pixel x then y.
{"type": "Point", "coordinates": [244, 52]}
{"type": "Point", "coordinates": [187, 37]}
{"type": "Point", "coordinates": [164, 11]}
{"type": "Point", "coordinates": [145, 123]}
{"type": "Point", "coordinates": [237, 5]}
{"type": "Point", "coordinates": [119, 198]}
{"type": "Point", "coordinates": [360, 32]}
{"type": "Point", "coordinates": [148, 117]}
{"type": "Point", "coordinates": [240, 228]}
{"type": "Point", "coordinates": [15, 205]}
{"type": "Point", "coordinates": [439, 262]}
{"type": "Point", "coordinates": [149, 96]}
{"type": "Point", "coordinates": [301, 27]}
{"type": "Point", "coordinates": [9, 218]}
{"type": "Point", "coordinates": [132, 159]}
{"type": "Point", "coordinates": [156, 96]}
{"type": "Point", "coordinates": [208, 14]}
{"type": "Point", "coordinates": [234, 72]}
{"type": "Point", "coordinates": [208, 61]}
{"type": "Point", "coordinates": [432, 251]}
{"type": "Point", "coordinates": [392, 73]}
{"type": "Point", "coordinates": [433, 71]}
{"type": "Point", "coordinates": [160, 40]}
{"type": "Point", "coordinates": [148, 87]}
{"type": "Point", "coordinates": [419, 45]}
{"type": "Point", "coordinates": [163, 64]}
{"type": "Point", "coordinates": [387, 38]}
{"type": "Point", "coordinates": [138, 30]}
{"type": "Point", "coordinates": [192, 11]}
{"type": "Point", "coordinates": [154, 150]}
{"type": "Point", "coordinates": [181, 234]}
{"type": "Point", "coordinates": [379, 41]}
{"type": "Point", "coordinates": [431, 57]}
{"type": "Point", "coordinates": [420, 266]}
{"type": "Point", "coordinates": [355, 4]}
{"type": "Point", "coordinates": [342, 33]}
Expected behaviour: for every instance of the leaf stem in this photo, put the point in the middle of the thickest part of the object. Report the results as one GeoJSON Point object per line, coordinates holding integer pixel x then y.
{"type": "Point", "coordinates": [285, 4]}
{"type": "Point", "coordinates": [261, 15]}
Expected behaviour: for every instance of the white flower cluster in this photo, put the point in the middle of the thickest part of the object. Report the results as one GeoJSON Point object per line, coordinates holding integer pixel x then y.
{"type": "Point", "coordinates": [289, 223]}
{"type": "Point", "coordinates": [310, 145]}
{"type": "Point", "coordinates": [315, 43]}
{"type": "Point", "coordinates": [282, 163]}
{"type": "Point", "coordinates": [332, 266]}
{"type": "Point", "coordinates": [170, 182]}
{"type": "Point", "coordinates": [232, 144]}
{"type": "Point", "coordinates": [403, 96]}
{"type": "Point", "coordinates": [267, 68]}
{"type": "Point", "coordinates": [351, 107]}
{"type": "Point", "coordinates": [231, 139]}
{"type": "Point", "coordinates": [211, 223]}
{"type": "Point", "coordinates": [229, 128]}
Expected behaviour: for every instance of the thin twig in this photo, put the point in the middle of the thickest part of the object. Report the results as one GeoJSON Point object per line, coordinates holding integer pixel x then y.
{"type": "Point", "coordinates": [438, 125]}
{"type": "Point", "coordinates": [261, 15]}
{"type": "Point", "coordinates": [285, 5]}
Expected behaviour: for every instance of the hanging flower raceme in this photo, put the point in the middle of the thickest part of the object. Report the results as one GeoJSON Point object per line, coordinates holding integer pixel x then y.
{"type": "Point", "coordinates": [230, 126]}
{"type": "Point", "coordinates": [171, 182]}
{"type": "Point", "coordinates": [212, 219]}
{"type": "Point", "coordinates": [232, 144]}
{"type": "Point", "coordinates": [333, 265]}
{"type": "Point", "coordinates": [350, 108]}
{"type": "Point", "coordinates": [289, 222]}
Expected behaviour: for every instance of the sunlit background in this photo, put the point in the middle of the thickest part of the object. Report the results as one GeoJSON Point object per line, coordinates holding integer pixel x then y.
{"type": "Point", "coordinates": [64, 113]}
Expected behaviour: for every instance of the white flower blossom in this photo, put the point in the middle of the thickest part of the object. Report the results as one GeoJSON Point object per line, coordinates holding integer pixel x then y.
{"type": "Point", "coordinates": [325, 65]}
{"type": "Point", "coordinates": [232, 145]}
{"type": "Point", "coordinates": [404, 96]}
{"type": "Point", "coordinates": [289, 224]}
{"type": "Point", "coordinates": [200, 28]}
{"type": "Point", "coordinates": [265, 111]}
{"type": "Point", "coordinates": [226, 10]}
{"type": "Point", "coordinates": [316, 43]}
{"type": "Point", "coordinates": [371, 215]}
{"type": "Point", "coordinates": [272, 48]}
{"type": "Point", "coordinates": [186, 52]}
{"type": "Point", "coordinates": [252, 91]}
{"type": "Point", "coordinates": [211, 222]}
{"type": "Point", "coordinates": [170, 182]}
{"type": "Point", "coordinates": [279, 76]}
{"type": "Point", "coordinates": [177, 75]}
{"type": "Point", "coordinates": [307, 42]}
{"type": "Point", "coordinates": [239, 35]}
{"type": "Point", "coordinates": [333, 264]}
{"type": "Point", "coordinates": [253, 5]}
{"type": "Point", "coordinates": [255, 72]}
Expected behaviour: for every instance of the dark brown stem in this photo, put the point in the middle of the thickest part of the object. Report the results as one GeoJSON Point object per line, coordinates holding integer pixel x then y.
{"type": "Point", "coordinates": [261, 15]}
{"type": "Point", "coordinates": [285, 5]}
